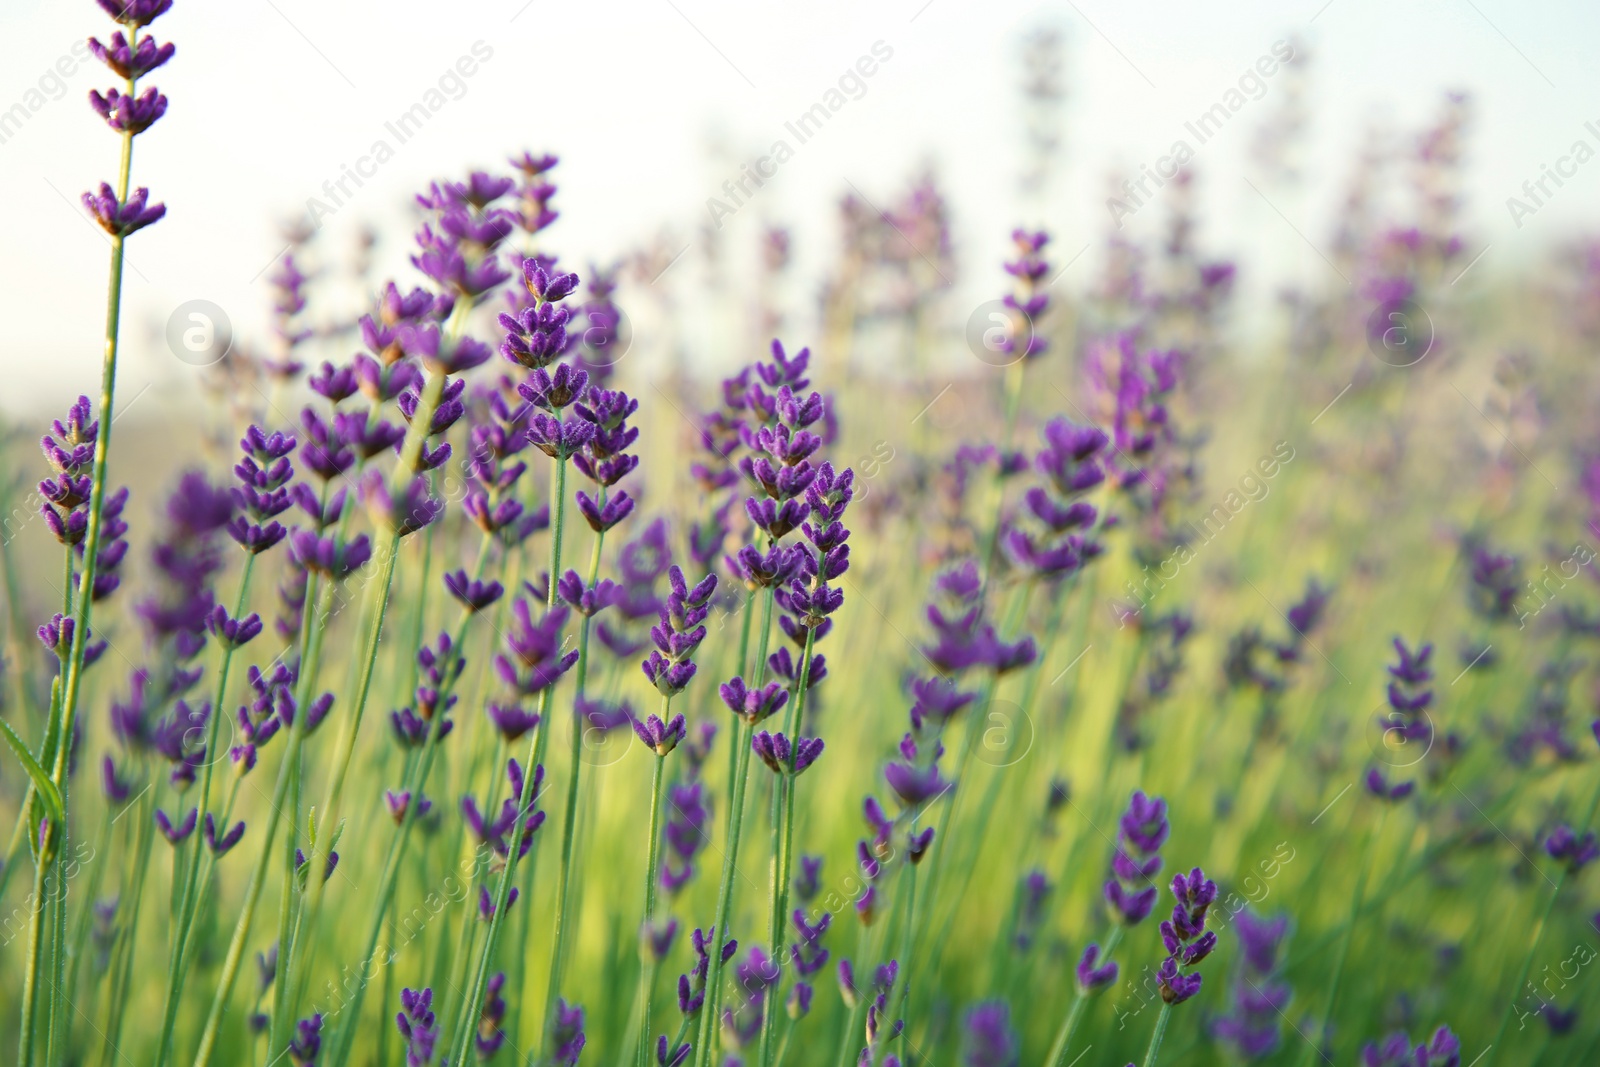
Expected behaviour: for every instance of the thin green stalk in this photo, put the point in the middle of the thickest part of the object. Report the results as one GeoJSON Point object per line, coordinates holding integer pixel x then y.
{"type": "Point", "coordinates": [315, 622]}
{"type": "Point", "coordinates": [296, 964]}
{"type": "Point", "coordinates": [340, 1046]}
{"type": "Point", "coordinates": [783, 841]}
{"type": "Point", "coordinates": [536, 745]}
{"type": "Point", "coordinates": [563, 920]}
{"type": "Point", "coordinates": [651, 874]}
{"type": "Point", "coordinates": [30, 975]}
{"type": "Point", "coordinates": [282, 1009]}
{"type": "Point", "coordinates": [730, 856]}
{"type": "Point", "coordinates": [1313, 1047]}
{"type": "Point", "coordinates": [1080, 1000]}
{"type": "Point", "coordinates": [1156, 1036]}
{"type": "Point", "coordinates": [59, 999]}
{"type": "Point", "coordinates": [127, 945]}
{"type": "Point", "coordinates": [91, 552]}
{"type": "Point", "coordinates": [80, 935]}
{"type": "Point", "coordinates": [176, 967]}
{"type": "Point", "coordinates": [1537, 939]}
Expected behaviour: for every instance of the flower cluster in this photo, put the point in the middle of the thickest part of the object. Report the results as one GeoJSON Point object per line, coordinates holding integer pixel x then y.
{"type": "Point", "coordinates": [1130, 892]}
{"type": "Point", "coordinates": [1185, 936]}
{"type": "Point", "coordinates": [1259, 999]}
{"type": "Point", "coordinates": [1407, 722]}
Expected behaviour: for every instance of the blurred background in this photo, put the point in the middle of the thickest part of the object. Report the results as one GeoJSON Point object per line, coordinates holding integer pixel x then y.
{"type": "Point", "coordinates": [1022, 114]}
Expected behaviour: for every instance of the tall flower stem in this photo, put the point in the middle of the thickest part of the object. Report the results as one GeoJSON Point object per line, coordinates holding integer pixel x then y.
{"type": "Point", "coordinates": [536, 749]}
{"type": "Point", "coordinates": [1156, 1036]}
{"type": "Point", "coordinates": [30, 976]}
{"type": "Point", "coordinates": [177, 966]}
{"type": "Point", "coordinates": [569, 819]}
{"type": "Point", "coordinates": [128, 937]}
{"type": "Point", "coordinates": [1080, 1000]}
{"type": "Point", "coordinates": [652, 872]}
{"type": "Point", "coordinates": [783, 842]}
{"type": "Point", "coordinates": [81, 613]}
{"type": "Point", "coordinates": [730, 855]}
{"type": "Point", "coordinates": [908, 944]}
{"type": "Point", "coordinates": [1536, 939]}
{"type": "Point", "coordinates": [340, 1045]}
{"type": "Point", "coordinates": [1349, 932]}
{"type": "Point", "coordinates": [315, 624]}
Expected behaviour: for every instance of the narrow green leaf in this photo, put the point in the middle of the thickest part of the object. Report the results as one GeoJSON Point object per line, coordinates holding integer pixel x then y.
{"type": "Point", "coordinates": [41, 781]}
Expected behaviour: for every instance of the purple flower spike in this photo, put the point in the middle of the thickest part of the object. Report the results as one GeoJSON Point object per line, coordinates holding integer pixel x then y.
{"type": "Point", "coordinates": [1379, 786]}
{"type": "Point", "coordinates": [1142, 831]}
{"type": "Point", "coordinates": [659, 737]}
{"type": "Point", "coordinates": [486, 905]}
{"type": "Point", "coordinates": [535, 661]}
{"type": "Point", "coordinates": [117, 791]}
{"type": "Point", "coordinates": [1187, 940]}
{"type": "Point", "coordinates": [121, 218]}
{"type": "Point", "coordinates": [1443, 1050]}
{"type": "Point", "coordinates": [418, 1026]}
{"type": "Point", "coordinates": [176, 834]}
{"type": "Point", "coordinates": [1575, 852]}
{"type": "Point", "coordinates": [135, 13]}
{"type": "Point", "coordinates": [590, 600]}
{"type": "Point", "coordinates": [781, 756]}
{"type": "Point", "coordinates": [673, 1058]}
{"type": "Point", "coordinates": [1094, 974]}
{"type": "Point", "coordinates": [126, 113]}
{"type": "Point", "coordinates": [989, 1039]}
{"type": "Point", "coordinates": [753, 705]}
{"type": "Point", "coordinates": [220, 846]}
{"type": "Point", "coordinates": [566, 1033]}
{"type": "Point", "coordinates": [306, 1044]}
{"type": "Point", "coordinates": [404, 513]}
{"type": "Point", "coordinates": [473, 594]}
{"type": "Point", "coordinates": [130, 62]}
{"type": "Point", "coordinates": [329, 556]}
{"type": "Point", "coordinates": [512, 721]}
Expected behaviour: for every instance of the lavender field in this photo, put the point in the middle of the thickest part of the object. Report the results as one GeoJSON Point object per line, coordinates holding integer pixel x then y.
{"type": "Point", "coordinates": [758, 653]}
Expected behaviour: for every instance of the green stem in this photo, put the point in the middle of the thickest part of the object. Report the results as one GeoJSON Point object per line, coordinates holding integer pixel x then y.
{"type": "Point", "coordinates": [651, 873]}
{"type": "Point", "coordinates": [569, 820]}
{"type": "Point", "coordinates": [1314, 1046]}
{"type": "Point", "coordinates": [1536, 940]}
{"type": "Point", "coordinates": [30, 976]}
{"type": "Point", "coordinates": [1156, 1036]}
{"type": "Point", "coordinates": [127, 945]}
{"type": "Point", "coordinates": [783, 842]}
{"type": "Point", "coordinates": [1069, 1025]}
{"type": "Point", "coordinates": [730, 857]}
{"type": "Point", "coordinates": [315, 622]}
{"type": "Point", "coordinates": [536, 747]}
{"type": "Point", "coordinates": [340, 1046]}
{"type": "Point", "coordinates": [176, 968]}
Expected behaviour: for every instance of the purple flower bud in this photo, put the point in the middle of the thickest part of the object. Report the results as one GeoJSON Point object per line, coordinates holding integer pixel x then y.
{"type": "Point", "coordinates": [121, 218]}
{"type": "Point", "coordinates": [176, 834]}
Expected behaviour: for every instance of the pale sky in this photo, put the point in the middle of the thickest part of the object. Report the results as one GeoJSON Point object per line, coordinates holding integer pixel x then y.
{"type": "Point", "coordinates": [272, 98]}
